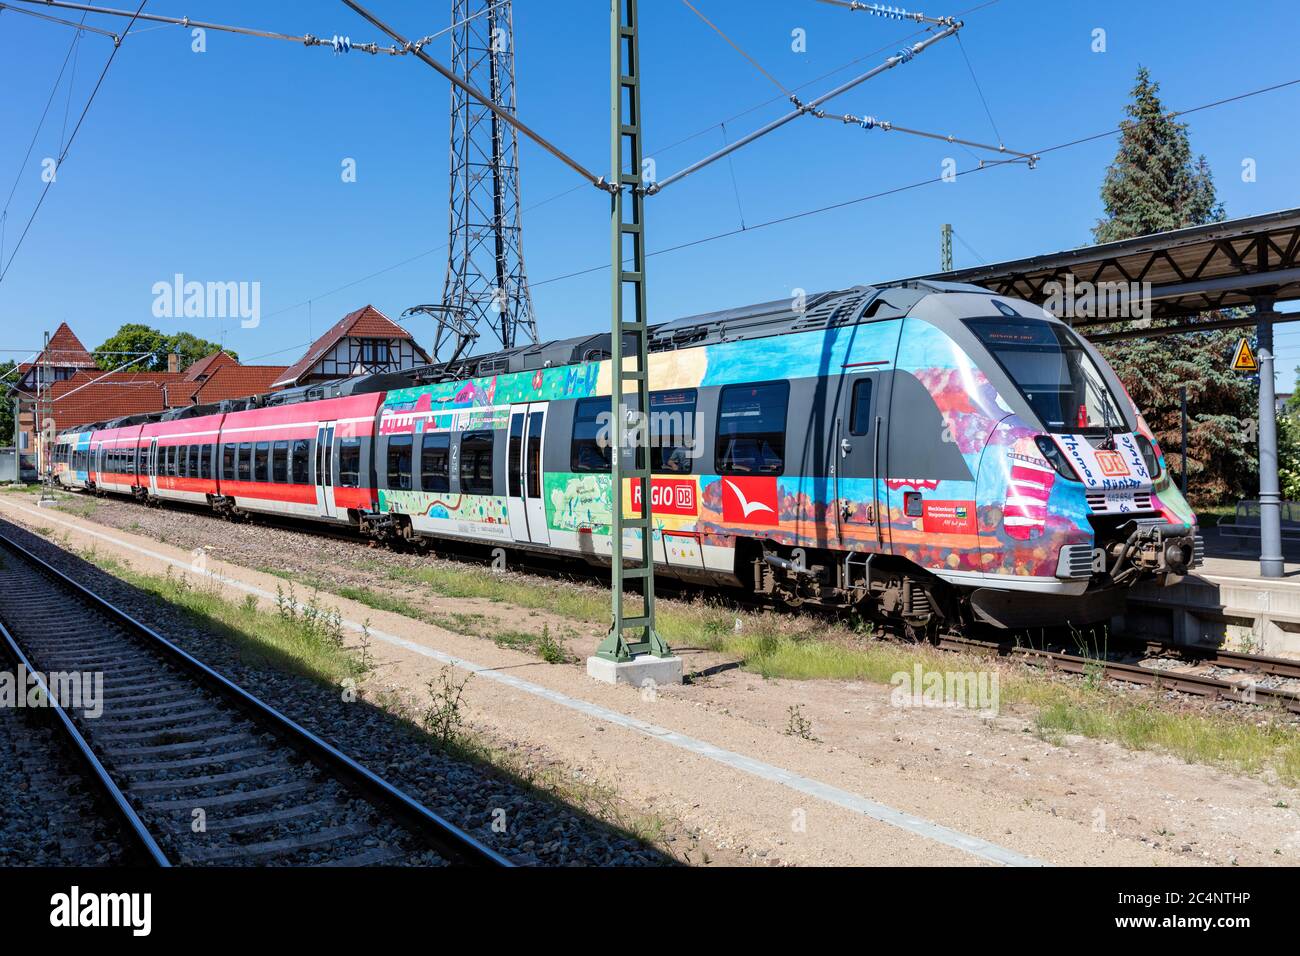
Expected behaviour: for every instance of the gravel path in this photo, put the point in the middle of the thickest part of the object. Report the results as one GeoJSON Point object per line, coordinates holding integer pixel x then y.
{"type": "Point", "coordinates": [537, 830]}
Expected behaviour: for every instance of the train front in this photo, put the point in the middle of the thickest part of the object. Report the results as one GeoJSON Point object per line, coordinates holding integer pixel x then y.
{"type": "Point", "coordinates": [1083, 471]}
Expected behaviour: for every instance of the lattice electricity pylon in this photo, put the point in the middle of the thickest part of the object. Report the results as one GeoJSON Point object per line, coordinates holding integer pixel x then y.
{"type": "Point", "coordinates": [486, 283]}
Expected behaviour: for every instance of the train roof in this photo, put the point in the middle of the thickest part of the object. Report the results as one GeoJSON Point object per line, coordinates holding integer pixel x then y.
{"type": "Point", "coordinates": [857, 304]}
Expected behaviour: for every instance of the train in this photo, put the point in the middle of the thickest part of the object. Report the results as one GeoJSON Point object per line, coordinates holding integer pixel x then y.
{"type": "Point", "coordinates": [927, 453]}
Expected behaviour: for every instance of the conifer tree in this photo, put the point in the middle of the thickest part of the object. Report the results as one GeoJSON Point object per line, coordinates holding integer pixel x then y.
{"type": "Point", "coordinates": [1154, 185]}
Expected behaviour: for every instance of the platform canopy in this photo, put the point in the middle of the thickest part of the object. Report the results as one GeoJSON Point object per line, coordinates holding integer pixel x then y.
{"type": "Point", "coordinates": [1240, 262]}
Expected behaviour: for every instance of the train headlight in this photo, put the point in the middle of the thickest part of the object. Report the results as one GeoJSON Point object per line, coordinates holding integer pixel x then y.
{"type": "Point", "coordinates": [1150, 455]}
{"type": "Point", "coordinates": [1055, 458]}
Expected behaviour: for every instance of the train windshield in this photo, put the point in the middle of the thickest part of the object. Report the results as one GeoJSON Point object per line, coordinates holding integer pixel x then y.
{"type": "Point", "coordinates": [1054, 373]}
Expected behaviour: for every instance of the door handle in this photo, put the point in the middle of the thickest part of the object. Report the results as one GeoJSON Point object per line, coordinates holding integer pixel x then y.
{"type": "Point", "coordinates": [846, 446]}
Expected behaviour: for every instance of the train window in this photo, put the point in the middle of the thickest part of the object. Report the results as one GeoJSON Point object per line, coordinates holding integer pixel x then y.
{"type": "Point", "coordinates": [299, 459]}
{"type": "Point", "coordinates": [280, 461]}
{"type": "Point", "coordinates": [476, 463]}
{"type": "Point", "coordinates": [196, 456]}
{"type": "Point", "coordinates": [515, 457]}
{"type": "Point", "coordinates": [245, 468]}
{"type": "Point", "coordinates": [535, 454]}
{"type": "Point", "coordinates": [860, 413]}
{"type": "Point", "coordinates": [435, 449]}
{"type": "Point", "coordinates": [590, 448]}
{"type": "Point", "coordinates": [261, 461]}
{"type": "Point", "coordinates": [205, 461]}
{"type": "Point", "coordinates": [751, 429]}
{"type": "Point", "coordinates": [399, 462]}
{"type": "Point", "coordinates": [1053, 371]}
{"type": "Point", "coordinates": [349, 463]}
{"type": "Point", "coordinates": [228, 462]}
{"type": "Point", "coordinates": [674, 437]}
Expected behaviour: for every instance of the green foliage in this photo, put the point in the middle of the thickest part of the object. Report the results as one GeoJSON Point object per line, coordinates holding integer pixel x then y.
{"type": "Point", "coordinates": [136, 338]}
{"type": "Point", "coordinates": [1154, 185]}
{"type": "Point", "coordinates": [6, 402]}
{"type": "Point", "coordinates": [1288, 449]}
{"type": "Point", "coordinates": [1221, 409]}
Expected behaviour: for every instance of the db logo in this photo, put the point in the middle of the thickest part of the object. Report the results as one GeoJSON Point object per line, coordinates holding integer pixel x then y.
{"type": "Point", "coordinates": [749, 501]}
{"type": "Point", "coordinates": [1112, 464]}
{"type": "Point", "coordinates": [668, 496]}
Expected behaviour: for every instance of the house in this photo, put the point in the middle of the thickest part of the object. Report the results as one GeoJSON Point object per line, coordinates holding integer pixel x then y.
{"type": "Point", "coordinates": [360, 343]}
{"type": "Point", "coordinates": [78, 392]}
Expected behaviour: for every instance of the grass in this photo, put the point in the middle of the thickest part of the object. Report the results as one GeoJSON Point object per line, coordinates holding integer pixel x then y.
{"type": "Point", "coordinates": [1212, 515]}
{"type": "Point", "coordinates": [306, 640]}
{"type": "Point", "coordinates": [544, 644]}
{"type": "Point", "coordinates": [1140, 724]}
{"type": "Point", "coordinates": [22, 489]}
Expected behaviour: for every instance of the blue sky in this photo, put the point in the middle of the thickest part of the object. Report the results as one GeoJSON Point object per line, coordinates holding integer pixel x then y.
{"type": "Point", "coordinates": [225, 165]}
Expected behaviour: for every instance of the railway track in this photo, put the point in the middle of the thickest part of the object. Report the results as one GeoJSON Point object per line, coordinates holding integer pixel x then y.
{"type": "Point", "coordinates": [50, 813]}
{"type": "Point", "coordinates": [199, 771]}
{"type": "Point", "coordinates": [1243, 690]}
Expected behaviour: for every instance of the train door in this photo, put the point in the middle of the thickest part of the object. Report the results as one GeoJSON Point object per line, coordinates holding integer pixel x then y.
{"type": "Point", "coordinates": [325, 469]}
{"type": "Point", "coordinates": [153, 467]}
{"type": "Point", "coordinates": [860, 452]}
{"type": "Point", "coordinates": [524, 499]}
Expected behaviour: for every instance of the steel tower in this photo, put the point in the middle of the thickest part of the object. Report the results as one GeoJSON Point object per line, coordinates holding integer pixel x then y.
{"type": "Point", "coordinates": [486, 286]}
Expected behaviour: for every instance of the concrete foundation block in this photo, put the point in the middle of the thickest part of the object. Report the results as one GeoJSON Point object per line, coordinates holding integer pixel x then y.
{"type": "Point", "coordinates": [642, 671]}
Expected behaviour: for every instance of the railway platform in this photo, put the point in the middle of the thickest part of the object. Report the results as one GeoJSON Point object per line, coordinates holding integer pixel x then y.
{"type": "Point", "coordinates": [1224, 603]}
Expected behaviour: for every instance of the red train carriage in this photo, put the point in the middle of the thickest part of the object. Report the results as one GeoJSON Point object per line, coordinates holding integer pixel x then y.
{"type": "Point", "coordinates": [116, 464]}
{"type": "Point", "coordinates": [179, 455]}
{"type": "Point", "coordinates": [307, 459]}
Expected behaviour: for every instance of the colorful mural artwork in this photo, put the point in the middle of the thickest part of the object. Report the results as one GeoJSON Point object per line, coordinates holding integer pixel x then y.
{"type": "Point", "coordinates": [1011, 516]}
{"type": "Point", "coordinates": [579, 503]}
{"type": "Point", "coordinates": [457, 514]}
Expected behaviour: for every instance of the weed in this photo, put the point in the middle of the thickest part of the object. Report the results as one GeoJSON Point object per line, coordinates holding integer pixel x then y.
{"type": "Point", "coordinates": [798, 725]}
{"type": "Point", "coordinates": [442, 718]}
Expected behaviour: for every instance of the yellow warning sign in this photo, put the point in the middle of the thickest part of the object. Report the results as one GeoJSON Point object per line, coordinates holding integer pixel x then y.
{"type": "Point", "coordinates": [1243, 360]}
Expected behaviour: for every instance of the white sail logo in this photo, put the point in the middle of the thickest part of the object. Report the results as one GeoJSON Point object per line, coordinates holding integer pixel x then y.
{"type": "Point", "coordinates": [748, 507]}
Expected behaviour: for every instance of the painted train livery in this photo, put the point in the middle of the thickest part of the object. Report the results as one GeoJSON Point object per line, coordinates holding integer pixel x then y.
{"type": "Point", "coordinates": [926, 452]}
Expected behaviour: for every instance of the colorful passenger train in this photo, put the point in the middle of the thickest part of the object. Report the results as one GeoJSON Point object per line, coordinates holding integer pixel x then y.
{"type": "Point", "coordinates": [925, 452]}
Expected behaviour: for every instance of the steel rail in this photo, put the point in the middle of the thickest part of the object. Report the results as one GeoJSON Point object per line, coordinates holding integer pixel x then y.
{"type": "Point", "coordinates": [1237, 660]}
{"type": "Point", "coordinates": [449, 839]}
{"type": "Point", "coordinates": [1197, 684]}
{"type": "Point", "coordinates": [130, 819]}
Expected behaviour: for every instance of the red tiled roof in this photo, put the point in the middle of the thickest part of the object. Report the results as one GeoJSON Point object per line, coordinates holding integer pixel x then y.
{"type": "Point", "coordinates": [65, 351]}
{"type": "Point", "coordinates": [234, 381]}
{"type": "Point", "coordinates": [367, 321]}
{"type": "Point", "coordinates": [74, 402]}
{"type": "Point", "coordinates": [208, 364]}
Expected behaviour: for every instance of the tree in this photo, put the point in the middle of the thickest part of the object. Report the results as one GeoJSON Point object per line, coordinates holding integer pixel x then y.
{"type": "Point", "coordinates": [1154, 185]}
{"type": "Point", "coordinates": [134, 338]}
{"type": "Point", "coordinates": [7, 380]}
